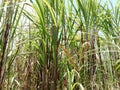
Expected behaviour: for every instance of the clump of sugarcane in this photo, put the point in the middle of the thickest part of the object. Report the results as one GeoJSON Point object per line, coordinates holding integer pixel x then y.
{"type": "Point", "coordinates": [5, 40]}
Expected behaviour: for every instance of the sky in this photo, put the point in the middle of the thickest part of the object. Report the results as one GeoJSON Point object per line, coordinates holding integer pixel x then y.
{"type": "Point", "coordinates": [0, 1]}
{"type": "Point", "coordinates": [113, 1]}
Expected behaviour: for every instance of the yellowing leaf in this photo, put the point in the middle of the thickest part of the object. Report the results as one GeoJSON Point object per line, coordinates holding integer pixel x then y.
{"type": "Point", "coordinates": [69, 56]}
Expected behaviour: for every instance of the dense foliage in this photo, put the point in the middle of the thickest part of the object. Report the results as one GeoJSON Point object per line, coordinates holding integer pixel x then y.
{"type": "Point", "coordinates": [59, 45]}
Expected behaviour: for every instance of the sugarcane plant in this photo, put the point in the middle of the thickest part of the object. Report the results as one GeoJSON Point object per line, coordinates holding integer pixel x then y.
{"type": "Point", "coordinates": [59, 45]}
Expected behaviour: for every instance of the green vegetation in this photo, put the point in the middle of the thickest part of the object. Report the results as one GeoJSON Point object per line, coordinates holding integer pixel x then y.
{"type": "Point", "coordinates": [59, 45]}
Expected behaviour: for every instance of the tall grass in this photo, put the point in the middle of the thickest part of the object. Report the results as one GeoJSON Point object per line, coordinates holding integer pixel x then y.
{"type": "Point", "coordinates": [59, 45]}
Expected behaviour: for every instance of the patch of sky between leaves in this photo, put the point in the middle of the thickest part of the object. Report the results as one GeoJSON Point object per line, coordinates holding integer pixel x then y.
{"type": "Point", "coordinates": [113, 2]}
